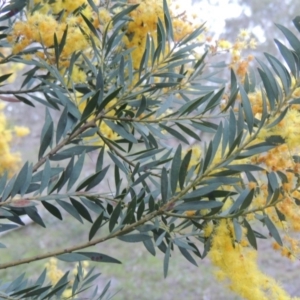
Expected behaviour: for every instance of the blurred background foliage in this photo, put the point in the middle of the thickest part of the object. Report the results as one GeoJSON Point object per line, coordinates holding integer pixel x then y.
{"type": "Point", "coordinates": [257, 18]}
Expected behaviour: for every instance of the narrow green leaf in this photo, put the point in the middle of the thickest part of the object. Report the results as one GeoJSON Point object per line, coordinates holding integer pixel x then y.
{"type": "Point", "coordinates": [4, 77]}
{"type": "Point", "coordinates": [145, 57]}
{"type": "Point", "coordinates": [108, 98]}
{"type": "Point", "coordinates": [215, 100]}
{"type": "Point", "coordinates": [243, 201]}
{"type": "Point", "coordinates": [288, 56]}
{"type": "Point", "coordinates": [99, 257]}
{"type": "Point", "coordinates": [76, 171]}
{"type": "Point", "coordinates": [292, 39]}
{"type": "Point", "coordinates": [72, 151]}
{"type": "Point", "coordinates": [115, 216]}
{"type": "Point", "coordinates": [63, 40]}
{"type": "Point", "coordinates": [95, 227]}
{"type": "Point", "coordinates": [8, 188]}
{"type": "Point", "coordinates": [121, 131]}
{"type": "Point", "coordinates": [119, 16]}
{"type": "Point", "coordinates": [142, 107]}
{"type": "Point", "coordinates": [134, 237]}
{"type": "Point", "coordinates": [140, 179]}
{"type": "Point", "coordinates": [90, 25]}
{"type": "Point", "coordinates": [273, 230]}
{"type": "Point", "coordinates": [268, 88]}
{"type": "Point", "coordinates": [160, 238]}
{"type": "Point", "coordinates": [184, 168]}
{"type": "Point", "coordinates": [61, 125]}
{"type": "Point", "coordinates": [59, 287]}
{"type": "Point", "coordinates": [53, 210]}
{"type": "Point", "coordinates": [278, 119]}
{"type": "Point", "coordinates": [56, 50]}
{"type": "Point", "coordinates": [92, 180]}
{"type": "Point", "coordinates": [270, 83]}
{"type": "Point", "coordinates": [192, 35]}
{"type": "Point", "coordinates": [188, 131]}
{"type": "Point", "coordinates": [166, 260]}
{"type": "Point", "coordinates": [281, 72]}
{"type": "Point", "coordinates": [272, 181]}
{"type": "Point", "coordinates": [38, 292]}
{"type": "Point", "coordinates": [198, 205]}
{"type": "Point", "coordinates": [255, 149]}
{"type": "Point", "coordinates": [41, 279]}
{"type": "Point", "coordinates": [164, 185]}
{"type": "Point", "coordinates": [245, 167]}
{"type": "Point", "coordinates": [165, 106]}
{"type": "Point", "coordinates": [168, 21]}
{"type": "Point", "coordinates": [3, 180]}
{"type": "Point", "coordinates": [33, 215]}
{"type": "Point", "coordinates": [250, 235]}
{"type": "Point", "coordinates": [20, 180]}
{"type": "Point", "coordinates": [5, 227]}
{"type": "Point", "coordinates": [296, 22]}
{"type": "Point", "coordinates": [149, 246]}
{"type": "Point", "coordinates": [148, 153]}
{"type": "Point", "coordinates": [72, 257]}
{"type": "Point", "coordinates": [69, 209]}
{"type": "Point", "coordinates": [99, 163]}
{"type": "Point", "coordinates": [46, 176]}
{"type": "Point", "coordinates": [175, 133]}
{"type": "Point", "coordinates": [202, 191]}
{"type": "Point", "coordinates": [187, 255]}
{"type": "Point", "coordinates": [194, 104]}
{"type": "Point", "coordinates": [81, 209]}
{"type": "Point", "coordinates": [247, 109]}
{"type": "Point", "coordinates": [175, 168]}
{"type": "Point", "coordinates": [280, 215]}
{"type": "Point", "coordinates": [46, 135]}
{"type": "Point", "coordinates": [90, 107]}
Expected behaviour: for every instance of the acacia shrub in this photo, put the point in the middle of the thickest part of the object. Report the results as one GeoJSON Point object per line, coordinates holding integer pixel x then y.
{"type": "Point", "coordinates": [128, 74]}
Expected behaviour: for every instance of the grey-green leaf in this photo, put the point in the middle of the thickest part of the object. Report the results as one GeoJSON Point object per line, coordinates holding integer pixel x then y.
{"type": "Point", "coordinates": [134, 237]}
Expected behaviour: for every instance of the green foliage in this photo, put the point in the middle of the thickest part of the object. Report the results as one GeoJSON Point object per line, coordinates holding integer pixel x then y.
{"type": "Point", "coordinates": [161, 195]}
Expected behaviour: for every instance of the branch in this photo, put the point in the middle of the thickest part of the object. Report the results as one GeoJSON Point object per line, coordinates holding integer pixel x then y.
{"type": "Point", "coordinates": [162, 119]}
{"type": "Point", "coordinates": [32, 90]}
{"type": "Point", "coordinates": [126, 229]}
{"type": "Point", "coordinates": [2, 296]}
{"type": "Point", "coordinates": [63, 143]}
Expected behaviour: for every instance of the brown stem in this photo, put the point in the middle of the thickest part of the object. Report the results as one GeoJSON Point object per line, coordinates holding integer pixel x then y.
{"type": "Point", "coordinates": [64, 142]}
{"type": "Point", "coordinates": [12, 92]}
{"type": "Point", "coordinates": [125, 230]}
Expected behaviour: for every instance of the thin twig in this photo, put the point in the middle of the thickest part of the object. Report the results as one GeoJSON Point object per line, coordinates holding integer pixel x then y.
{"type": "Point", "coordinates": [63, 143]}
{"type": "Point", "coordinates": [123, 231]}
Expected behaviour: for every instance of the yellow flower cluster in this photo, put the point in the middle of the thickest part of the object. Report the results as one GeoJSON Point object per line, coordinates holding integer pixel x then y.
{"type": "Point", "coordinates": [104, 129]}
{"type": "Point", "coordinates": [9, 161]}
{"type": "Point", "coordinates": [21, 131]}
{"type": "Point", "coordinates": [53, 18]}
{"type": "Point", "coordinates": [237, 261]}
{"type": "Point", "coordinates": [280, 158]}
{"type": "Point", "coordinates": [290, 249]}
{"type": "Point", "coordinates": [239, 64]}
{"type": "Point", "coordinates": [54, 274]}
{"type": "Point", "coordinates": [144, 22]}
{"type": "Point", "coordinates": [238, 268]}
